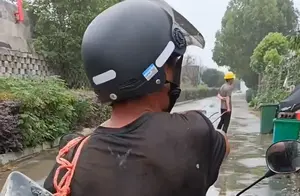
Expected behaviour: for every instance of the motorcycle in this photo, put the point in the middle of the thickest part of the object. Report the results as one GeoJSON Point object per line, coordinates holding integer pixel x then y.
{"type": "Point", "coordinates": [282, 158]}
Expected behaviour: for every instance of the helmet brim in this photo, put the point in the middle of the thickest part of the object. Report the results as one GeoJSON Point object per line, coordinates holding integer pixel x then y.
{"type": "Point", "coordinates": [229, 78]}
{"type": "Point", "coordinates": [192, 35]}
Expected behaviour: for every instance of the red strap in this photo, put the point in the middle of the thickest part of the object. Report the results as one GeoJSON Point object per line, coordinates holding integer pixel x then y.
{"type": "Point", "coordinates": [62, 187]}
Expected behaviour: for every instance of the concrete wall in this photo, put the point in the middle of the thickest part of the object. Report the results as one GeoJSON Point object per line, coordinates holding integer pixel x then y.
{"type": "Point", "coordinates": [22, 64]}
{"type": "Point", "coordinates": [13, 35]}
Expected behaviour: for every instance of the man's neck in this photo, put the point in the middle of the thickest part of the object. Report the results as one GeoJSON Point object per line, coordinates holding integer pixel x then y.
{"type": "Point", "coordinates": [126, 113]}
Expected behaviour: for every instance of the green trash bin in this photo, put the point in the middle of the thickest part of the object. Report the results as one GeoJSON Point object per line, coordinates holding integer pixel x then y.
{"type": "Point", "coordinates": [286, 129]}
{"type": "Point", "coordinates": [268, 113]}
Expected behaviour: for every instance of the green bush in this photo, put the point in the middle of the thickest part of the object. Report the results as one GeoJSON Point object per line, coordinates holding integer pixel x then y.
{"type": "Point", "coordinates": [48, 108]}
{"type": "Point", "coordinates": [90, 113]}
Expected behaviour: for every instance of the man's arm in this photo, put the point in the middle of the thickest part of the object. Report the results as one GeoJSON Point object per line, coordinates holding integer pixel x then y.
{"type": "Point", "coordinates": [226, 141]}
{"type": "Point", "coordinates": [227, 98]}
{"type": "Point", "coordinates": [220, 150]}
{"type": "Point", "coordinates": [228, 92]}
{"type": "Point", "coordinates": [219, 94]}
{"type": "Point", "coordinates": [48, 183]}
{"type": "Point", "coordinates": [220, 97]}
{"type": "Point", "coordinates": [217, 142]}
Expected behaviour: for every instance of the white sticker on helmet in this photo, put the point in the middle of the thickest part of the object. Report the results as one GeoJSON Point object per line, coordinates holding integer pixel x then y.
{"type": "Point", "coordinates": [104, 77]}
{"type": "Point", "coordinates": [150, 72]}
{"type": "Point", "coordinates": [166, 53]}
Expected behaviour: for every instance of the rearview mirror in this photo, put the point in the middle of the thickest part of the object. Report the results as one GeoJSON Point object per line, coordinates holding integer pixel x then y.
{"type": "Point", "coordinates": [284, 157]}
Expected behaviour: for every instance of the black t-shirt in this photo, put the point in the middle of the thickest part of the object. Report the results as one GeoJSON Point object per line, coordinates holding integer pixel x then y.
{"type": "Point", "coordinates": [159, 154]}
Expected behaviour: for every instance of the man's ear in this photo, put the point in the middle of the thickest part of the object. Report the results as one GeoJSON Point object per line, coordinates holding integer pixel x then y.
{"type": "Point", "coordinates": [168, 72]}
{"type": "Point", "coordinates": [173, 69]}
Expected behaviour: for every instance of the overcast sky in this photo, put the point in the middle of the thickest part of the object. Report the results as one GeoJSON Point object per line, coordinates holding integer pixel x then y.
{"type": "Point", "coordinates": [206, 16]}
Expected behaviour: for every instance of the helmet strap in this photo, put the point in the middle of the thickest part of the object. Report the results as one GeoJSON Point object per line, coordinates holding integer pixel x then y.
{"type": "Point", "coordinates": [175, 90]}
{"type": "Point", "coordinates": [173, 94]}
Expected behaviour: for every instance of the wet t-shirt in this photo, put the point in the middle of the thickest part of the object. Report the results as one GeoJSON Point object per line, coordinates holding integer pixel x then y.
{"type": "Point", "coordinates": [159, 154]}
{"type": "Point", "coordinates": [226, 91]}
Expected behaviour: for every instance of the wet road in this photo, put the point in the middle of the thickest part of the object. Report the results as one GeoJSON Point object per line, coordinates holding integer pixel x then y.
{"type": "Point", "coordinates": [246, 162]}
{"type": "Point", "coordinates": [244, 165]}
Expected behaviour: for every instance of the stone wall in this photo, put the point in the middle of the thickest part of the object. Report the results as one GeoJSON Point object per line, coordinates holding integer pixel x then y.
{"type": "Point", "coordinates": [15, 36]}
{"type": "Point", "coordinates": [15, 63]}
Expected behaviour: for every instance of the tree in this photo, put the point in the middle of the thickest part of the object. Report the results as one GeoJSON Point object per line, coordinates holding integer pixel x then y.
{"type": "Point", "coordinates": [190, 75]}
{"type": "Point", "coordinates": [189, 60]}
{"type": "Point", "coordinates": [244, 24]}
{"type": "Point", "coordinates": [278, 66]}
{"type": "Point", "coordinates": [191, 70]}
{"type": "Point", "coordinates": [58, 32]}
{"type": "Point", "coordinates": [213, 77]}
{"type": "Point", "coordinates": [294, 40]}
{"type": "Point", "coordinates": [269, 49]}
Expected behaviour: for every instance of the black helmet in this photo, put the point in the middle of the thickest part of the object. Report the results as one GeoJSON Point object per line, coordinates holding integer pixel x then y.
{"type": "Point", "coordinates": [125, 47]}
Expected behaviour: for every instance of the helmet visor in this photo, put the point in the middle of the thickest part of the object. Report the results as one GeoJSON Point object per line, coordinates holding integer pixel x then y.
{"type": "Point", "coordinates": [192, 35]}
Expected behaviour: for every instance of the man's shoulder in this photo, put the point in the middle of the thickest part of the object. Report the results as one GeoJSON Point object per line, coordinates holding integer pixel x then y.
{"type": "Point", "coordinates": [226, 88]}
{"type": "Point", "coordinates": [223, 86]}
{"type": "Point", "coordinates": [193, 121]}
{"type": "Point", "coordinates": [195, 117]}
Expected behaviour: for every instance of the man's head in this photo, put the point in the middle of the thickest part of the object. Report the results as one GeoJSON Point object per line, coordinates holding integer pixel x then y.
{"type": "Point", "coordinates": [163, 99]}
{"type": "Point", "coordinates": [132, 52]}
{"type": "Point", "coordinates": [229, 77]}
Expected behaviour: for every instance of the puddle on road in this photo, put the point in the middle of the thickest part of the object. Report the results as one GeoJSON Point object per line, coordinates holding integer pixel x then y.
{"type": "Point", "coordinates": [237, 125]}
{"type": "Point", "coordinates": [246, 164]}
{"type": "Point", "coordinates": [212, 105]}
{"type": "Point", "coordinates": [253, 162]}
{"type": "Point", "coordinates": [240, 118]}
{"type": "Point", "coordinates": [36, 168]}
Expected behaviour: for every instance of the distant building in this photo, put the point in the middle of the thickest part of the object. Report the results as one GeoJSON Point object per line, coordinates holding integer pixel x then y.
{"type": "Point", "coordinates": [13, 35]}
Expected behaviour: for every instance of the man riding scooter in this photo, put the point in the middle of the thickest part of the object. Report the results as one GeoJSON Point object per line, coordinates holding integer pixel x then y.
{"type": "Point", "coordinates": [132, 54]}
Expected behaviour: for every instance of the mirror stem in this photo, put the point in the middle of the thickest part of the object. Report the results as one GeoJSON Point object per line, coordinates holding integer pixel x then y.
{"type": "Point", "coordinates": [254, 183]}
{"type": "Point", "coordinates": [267, 175]}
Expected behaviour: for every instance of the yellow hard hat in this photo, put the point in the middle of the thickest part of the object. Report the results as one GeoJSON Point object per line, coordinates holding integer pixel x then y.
{"type": "Point", "coordinates": [229, 75]}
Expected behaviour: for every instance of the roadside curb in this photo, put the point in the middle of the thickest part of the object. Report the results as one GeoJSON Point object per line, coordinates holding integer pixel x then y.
{"type": "Point", "coordinates": [29, 152]}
